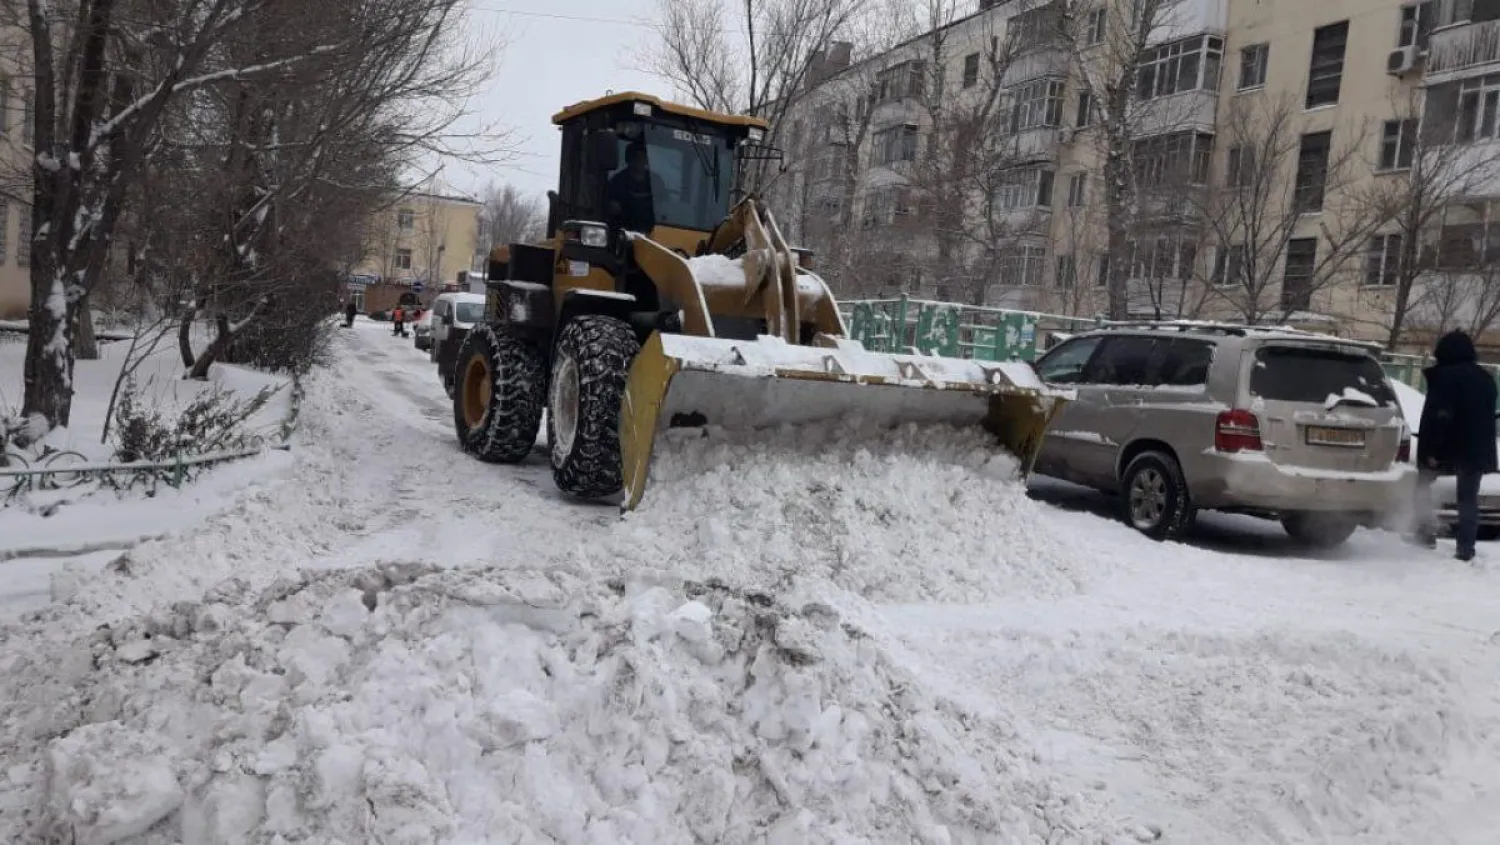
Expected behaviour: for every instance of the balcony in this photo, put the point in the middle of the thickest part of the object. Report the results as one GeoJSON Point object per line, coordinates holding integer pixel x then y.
{"type": "Point", "coordinates": [1479, 164]}
{"type": "Point", "coordinates": [1195, 110]}
{"type": "Point", "coordinates": [1040, 144]}
{"type": "Point", "coordinates": [1030, 64]}
{"type": "Point", "coordinates": [1462, 51]}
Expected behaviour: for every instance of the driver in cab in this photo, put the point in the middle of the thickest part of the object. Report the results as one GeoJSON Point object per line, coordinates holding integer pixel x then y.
{"type": "Point", "coordinates": [631, 191]}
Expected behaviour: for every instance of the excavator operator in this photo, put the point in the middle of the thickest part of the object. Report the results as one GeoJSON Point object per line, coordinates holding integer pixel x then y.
{"type": "Point", "coordinates": [632, 189]}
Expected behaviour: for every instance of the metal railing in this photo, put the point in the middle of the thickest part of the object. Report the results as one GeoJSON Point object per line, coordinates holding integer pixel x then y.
{"type": "Point", "coordinates": [1462, 46]}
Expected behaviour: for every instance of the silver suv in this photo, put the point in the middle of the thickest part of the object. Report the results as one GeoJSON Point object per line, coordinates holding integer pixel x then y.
{"type": "Point", "coordinates": [1277, 423]}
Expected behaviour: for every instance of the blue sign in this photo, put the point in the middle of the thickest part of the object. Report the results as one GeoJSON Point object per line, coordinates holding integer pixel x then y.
{"type": "Point", "coordinates": [416, 286]}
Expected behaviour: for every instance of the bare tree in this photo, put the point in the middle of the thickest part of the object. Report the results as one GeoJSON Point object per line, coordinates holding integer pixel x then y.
{"type": "Point", "coordinates": [1429, 263]}
{"type": "Point", "coordinates": [752, 61]}
{"type": "Point", "coordinates": [1285, 216]}
{"type": "Point", "coordinates": [510, 216]}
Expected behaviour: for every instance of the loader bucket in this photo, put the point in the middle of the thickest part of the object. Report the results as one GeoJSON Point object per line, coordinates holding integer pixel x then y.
{"type": "Point", "coordinates": [739, 384]}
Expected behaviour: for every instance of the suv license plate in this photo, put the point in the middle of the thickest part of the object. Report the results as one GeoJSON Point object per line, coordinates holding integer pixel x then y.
{"type": "Point", "coordinates": [1321, 436]}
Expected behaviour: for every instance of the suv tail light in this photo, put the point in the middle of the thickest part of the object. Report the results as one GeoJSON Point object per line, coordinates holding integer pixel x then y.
{"type": "Point", "coordinates": [1237, 431]}
{"type": "Point", "coordinates": [1403, 452]}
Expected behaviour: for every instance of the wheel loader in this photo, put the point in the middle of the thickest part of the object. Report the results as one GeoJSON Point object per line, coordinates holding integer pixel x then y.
{"type": "Point", "coordinates": [658, 299]}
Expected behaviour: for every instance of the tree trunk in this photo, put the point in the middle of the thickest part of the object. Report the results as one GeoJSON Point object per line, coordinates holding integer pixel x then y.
{"type": "Point", "coordinates": [1116, 245]}
{"type": "Point", "coordinates": [48, 372]}
{"type": "Point", "coordinates": [225, 336]}
{"type": "Point", "coordinates": [88, 343]}
{"type": "Point", "coordinates": [185, 336]}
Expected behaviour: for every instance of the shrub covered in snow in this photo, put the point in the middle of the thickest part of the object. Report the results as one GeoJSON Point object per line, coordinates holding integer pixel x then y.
{"type": "Point", "coordinates": [213, 421]}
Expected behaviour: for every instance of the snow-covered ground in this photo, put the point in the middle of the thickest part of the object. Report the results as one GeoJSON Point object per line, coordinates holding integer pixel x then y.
{"type": "Point", "coordinates": [854, 637]}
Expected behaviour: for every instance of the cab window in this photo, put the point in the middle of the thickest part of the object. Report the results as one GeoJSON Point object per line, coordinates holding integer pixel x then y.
{"type": "Point", "coordinates": [1125, 361]}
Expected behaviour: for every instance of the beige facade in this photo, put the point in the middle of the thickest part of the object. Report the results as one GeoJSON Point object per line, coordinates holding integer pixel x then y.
{"type": "Point", "coordinates": [15, 195]}
{"type": "Point", "coordinates": [1268, 140]}
{"type": "Point", "coordinates": [426, 237]}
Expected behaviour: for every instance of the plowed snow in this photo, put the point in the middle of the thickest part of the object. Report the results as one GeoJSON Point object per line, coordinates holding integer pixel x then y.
{"type": "Point", "coordinates": [890, 515]}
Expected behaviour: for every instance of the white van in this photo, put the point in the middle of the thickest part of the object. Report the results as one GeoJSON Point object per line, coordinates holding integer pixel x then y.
{"type": "Point", "coordinates": [453, 314]}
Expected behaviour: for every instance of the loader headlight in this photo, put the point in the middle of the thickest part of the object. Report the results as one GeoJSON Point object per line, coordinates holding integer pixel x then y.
{"type": "Point", "coordinates": [592, 234]}
{"type": "Point", "coordinates": [756, 135]}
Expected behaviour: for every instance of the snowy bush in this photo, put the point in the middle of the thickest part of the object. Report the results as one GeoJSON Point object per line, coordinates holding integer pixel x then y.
{"type": "Point", "coordinates": [293, 335]}
{"type": "Point", "coordinates": [213, 422]}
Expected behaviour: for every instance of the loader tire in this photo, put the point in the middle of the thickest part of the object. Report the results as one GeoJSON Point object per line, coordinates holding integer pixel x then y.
{"type": "Point", "coordinates": [499, 384]}
{"type": "Point", "coordinates": [589, 367]}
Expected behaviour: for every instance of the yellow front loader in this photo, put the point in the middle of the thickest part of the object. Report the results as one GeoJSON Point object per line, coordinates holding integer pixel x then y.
{"type": "Point", "coordinates": [656, 303]}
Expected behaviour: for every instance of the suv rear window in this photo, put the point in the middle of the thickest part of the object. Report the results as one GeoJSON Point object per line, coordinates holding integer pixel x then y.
{"type": "Point", "coordinates": [1300, 374]}
{"type": "Point", "coordinates": [470, 312]}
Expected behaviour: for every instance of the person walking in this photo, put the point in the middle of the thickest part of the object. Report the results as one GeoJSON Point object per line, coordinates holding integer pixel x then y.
{"type": "Point", "coordinates": [1456, 436]}
{"type": "Point", "coordinates": [349, 312]}
{"type": "Point", "coordinates": [398, 318]}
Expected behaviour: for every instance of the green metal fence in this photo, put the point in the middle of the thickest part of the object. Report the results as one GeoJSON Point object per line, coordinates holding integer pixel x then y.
{"type": "Point", "coordinates": [927, 327]}
{"type": "Point", "coordinates": [921, 326]}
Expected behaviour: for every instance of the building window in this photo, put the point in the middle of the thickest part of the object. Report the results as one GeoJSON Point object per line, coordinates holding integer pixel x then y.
{"type": "Point", "coordinates": [1085, 116]}
{"type": "Point", "coordinates": [1022, 266]}
{"type": "Point", "coordinates": [1325, 72]}
{"type": "Point", "coordinates": [4, 106]}
{"type": "Point", "coordinates": [1077, 189]}
{"type": "Point", "coordinates": [23, 238]}
{"type": "Point", "coordinates": [403, 259]}
{"type": "Point", "coordinates": [1296, 281]}
{"type": "Point", "coordinates": [4, 229]}
{"type": "Point", "coordinates": [829, 164]}
{"type": "Point", "coordinates": [28, 114]}
{"type": "Point", "coordinates": [1096, 22]}
{"type": "Point", "coordinates": [1037, 104]}
{"type": "Point", "coordinates": [971, 70]}
{"type": "Point", "coordinates": [1397, 140]}
{"type": "Point", "coordinates": [1239, 169]}
{"type": "Point", "coordinates": [1188, 65]}
{"type": "Point", "coordinates": [900, 82]}
{"type": "Point", "coordinates": [1478, 101]}
{"type": "Point", "coordinates": [1102, 278]}
{"type": "Point", "coordinates": [1172, 159]}
{"type": "Point", "coordinates": [1416, 23]}
{"type": "Point", "coordinates": [1067, 272]}
{"type": "Point", "coordinates": [1382, 260]}
{"type": "Point", "coordinates": [1037, 27]}
{"type": "Point", "coordinates": [406, 220]}
{"type": "Point", "coordinates": [1312, 172]}
{"type": "Point", "coordinates": [1163, 258]}
{"type": "Point", "coordinates": [1253, 62]}
{"type": "Point", "coordinates": [1024, 187]}
{"type": "Point", "coordinates": [898, 143]}
{"type": "Point", "coordinates": [1229, 266]}
{"type": "Point", "coordinates": [884, 205]}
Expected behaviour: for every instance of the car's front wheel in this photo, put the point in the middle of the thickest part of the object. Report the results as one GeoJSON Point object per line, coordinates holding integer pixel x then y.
{"type": "Point", "coordinates": [1319, 529]}
{"type": "Point", "coordinates": [1155, 496]}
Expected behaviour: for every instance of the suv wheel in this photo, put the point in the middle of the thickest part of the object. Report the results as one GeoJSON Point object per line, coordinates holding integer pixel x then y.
{"type": "Point", "coordinates": [1155, 496]}
{"type": "Point", "coordinates": [1319, 530]}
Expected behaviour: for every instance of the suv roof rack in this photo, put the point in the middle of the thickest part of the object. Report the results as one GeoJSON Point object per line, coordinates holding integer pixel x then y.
{"type": "Point", "coordinates": [1236, 329]}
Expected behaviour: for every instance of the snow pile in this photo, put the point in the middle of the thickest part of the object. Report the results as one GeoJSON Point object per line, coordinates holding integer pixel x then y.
{"type": "Point", "coordinates": [908, 514]}
{"type": "Point", "coordinates": [1271, 736]}
{"type": "Point", "coordinates": [414, 705]}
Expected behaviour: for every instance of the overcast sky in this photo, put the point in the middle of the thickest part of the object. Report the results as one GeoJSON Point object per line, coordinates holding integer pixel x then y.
{"type": "Point", "coordinates": [560, 52]}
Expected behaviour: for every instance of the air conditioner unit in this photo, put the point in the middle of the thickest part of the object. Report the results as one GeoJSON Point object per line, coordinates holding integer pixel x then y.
{"type": "Point", "coordinates": [1402, 59]}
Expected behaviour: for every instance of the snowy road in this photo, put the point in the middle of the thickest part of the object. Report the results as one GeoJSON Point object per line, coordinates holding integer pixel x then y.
{"type": "Point", "coordinates": [1013, 669]}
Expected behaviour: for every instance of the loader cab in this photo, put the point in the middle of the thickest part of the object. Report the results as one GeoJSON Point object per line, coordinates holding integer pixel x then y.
{"type": "Point", "coordinates": [691, 157]}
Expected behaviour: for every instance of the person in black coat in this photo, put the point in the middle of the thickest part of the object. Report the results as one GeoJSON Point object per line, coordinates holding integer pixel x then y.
{"type": "Point", "coordinates": [1456, 435]}
{"type": "Point", "coordinates": [349, 312]}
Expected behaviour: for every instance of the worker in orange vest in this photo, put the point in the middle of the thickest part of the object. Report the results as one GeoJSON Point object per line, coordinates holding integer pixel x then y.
{"type": "Point", "coordinates": [399, 317]}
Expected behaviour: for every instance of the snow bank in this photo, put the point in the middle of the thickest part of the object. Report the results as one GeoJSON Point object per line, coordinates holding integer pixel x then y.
{"type": "Point", "coordinates": [407, 704]}
{"type": "Point", "coordinates": [898, 515]}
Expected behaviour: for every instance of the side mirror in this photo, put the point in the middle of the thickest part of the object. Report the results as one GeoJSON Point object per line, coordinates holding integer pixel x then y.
{"type": "Point", "coordinates": [606, 149]}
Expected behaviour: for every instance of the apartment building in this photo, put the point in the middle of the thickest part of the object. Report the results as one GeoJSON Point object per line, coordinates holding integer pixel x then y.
{"type": "Point", "coordinates": [1326, 164]}
{"type": "Point", "coordinates": [15, 194]}
{"type": "Point", "coordinates": [425, 239]}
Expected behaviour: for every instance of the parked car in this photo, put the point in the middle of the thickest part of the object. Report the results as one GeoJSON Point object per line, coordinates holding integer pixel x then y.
{"type": "Point", "coordinates": [421, 331]}
{"type": "Point", "coordinates": [453, 315]}
{"type": "Point", "coordinates": [1445, 488]}
{"type": "Point", "coordinates": [1277, 423]}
